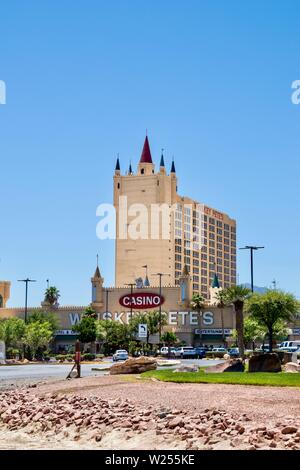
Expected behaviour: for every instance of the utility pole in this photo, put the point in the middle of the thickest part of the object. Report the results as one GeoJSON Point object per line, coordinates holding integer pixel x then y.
{"type": "Point", "coordinates": [26, 295]}
{"type": "Point", "coordinates": [160, 275]}
{"type": "Point", "coordinates": [252, 248]}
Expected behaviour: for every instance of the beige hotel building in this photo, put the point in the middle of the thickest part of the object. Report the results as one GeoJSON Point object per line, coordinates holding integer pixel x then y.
{"type": "Point", "coordinates": [202, 238]}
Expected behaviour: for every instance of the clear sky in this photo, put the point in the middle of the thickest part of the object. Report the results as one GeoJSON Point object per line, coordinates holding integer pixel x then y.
{"type": "Point", "coordinates": [210, 80]}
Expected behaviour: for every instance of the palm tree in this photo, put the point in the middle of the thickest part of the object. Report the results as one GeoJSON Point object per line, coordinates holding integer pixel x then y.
{"type": "Point", "coordinates": [52, 295]}
{"type": "Point", "coordinates": [197, 304]}
{"type": "Point", "coordinates": [237, 295]}
{"type": "Point", "coordinates": [221, 299]}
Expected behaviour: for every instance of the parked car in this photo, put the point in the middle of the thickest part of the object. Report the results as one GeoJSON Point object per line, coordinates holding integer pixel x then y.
{"type": "Point", "coordinates": [200, 352]}
{"type": "Point", "coordinates": [219, 350]}
{"type": "Point", "coordinates": [164, 351]}
{"type": "Point", "coordinates": [233, 352]}
{"type": "Point", "coordinates": [185, 352]}
{"type": "Point", "coordinates": [120, 355]}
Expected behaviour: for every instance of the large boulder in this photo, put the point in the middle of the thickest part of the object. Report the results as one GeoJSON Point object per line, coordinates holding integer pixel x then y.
{"type": "Point", "coordinates": [264, 363]}
{"type": "Point", "coordinates": [134, 366]}
{"type": "Point", "coordinates": [233, 365]}
{"type": "Point", "coordinates": [292, 367]}
{"type": "Point", "coordinates": [187, 368]}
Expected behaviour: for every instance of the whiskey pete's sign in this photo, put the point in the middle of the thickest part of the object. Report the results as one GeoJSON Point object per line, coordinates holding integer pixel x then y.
{"type": "Point", "coordinates": [141, 300]}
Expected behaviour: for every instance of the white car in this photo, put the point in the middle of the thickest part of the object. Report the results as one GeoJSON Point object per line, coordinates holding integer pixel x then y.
{"type": "Point", "coordinates": [185, 352]}
{"type": "Point", "coordinates": [220, 350]}
{"type": "Point", "coordinates": [165, 351]}
{"type": "Point", "coordinates": [120, 355]}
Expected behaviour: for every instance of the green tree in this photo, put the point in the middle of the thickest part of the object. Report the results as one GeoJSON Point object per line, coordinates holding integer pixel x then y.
{"type": "Point", "coordinates": [11, 332]}
{"type": "Point", "coordinates": [197, 304]}
{"type": "Point", "coordinates": [221, 299]}
{"type": "Point", "coordinates": [237, 295]}
{"type": "Point", "coordinates": [113, 334]}
{"type": "Point", "coordinates": [42, 316]}
{"type": "Point", "coordinates": [151, 319]}
{"type": "Point", "coordinates": [86, 329]}
{"type": "Point", "coordinates": [169, 338]}
{"type": "Point", "coordinates": [37, 336]}
{"type": "Point", "coordinates": [52, 295]}
{"type": "Point", "coordinates": [271, 308]}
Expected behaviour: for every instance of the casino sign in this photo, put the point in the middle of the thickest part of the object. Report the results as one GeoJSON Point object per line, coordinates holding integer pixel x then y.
{"type": "Point", "coordinates": [141, 300]}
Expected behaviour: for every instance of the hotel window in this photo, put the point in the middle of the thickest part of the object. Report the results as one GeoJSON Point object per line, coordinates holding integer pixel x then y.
{"type": "Point", "coordinates": [196, 262]}
{"type": "Point", "coordinates": [178, 232]}
{"type": "Point", "coordinates": [219, 261]}
{"type": "Point", "coordinates": [226, 234]}
{"type": "Point", "coordinates": [226, 285]}
{"type": "Point", "coordinates": [232, 265]}
{"type": "Point", "coordinates": [205, 218]}
{"type": "Point", "coordinates": [177, 265]}
{"type": "Point", "coordinates": [212, 266]}
{"type": "Point", "coordinates": [219, 224]}
{"type": "Point", "coordinates": [219, 269]}
{"type": "Point", "coordinates": [219, 239]}
{"type": "Point", "coordinates": [187, 260]}
{"type": "Point", "coordinates": [233, 251]}
{"type": "Point", "coordinates": [226, 227]}
{"type": "Point", "coordinates": [219, 231]}
{"type": "Point", "coordinates": [226, 241]}
{"type": "Point", "coordinates": [177, 257]}
{"type": "Point", "coordinates": [212, 221]}
{"type": "Point", "coordinates": [212, 228]}
{"type": "Point", "coordinates": [203, 272]}
{"type": "Point", "coordinates": [178, 249]}
{"type": "Point", "coordinates": [204, 264]}
{"type": "Point", "coordinates": [226, 271]}
{"type": "Point", "coordinates": [196, 278]}
{"type": "Point", "coordinates": [196, 288]}
{"type": "Point", "coordinates": [212, 259]}
{"type": "Point", "coordinates": [219, 246]}
{"type": "Point", "coordinates": [233, 244]}
{"type": "Point", "coordinates": [212, 251]}
{"type": "Point", "coordinates": [187, 252]}
{"type": "Point", "coordinates": [196, 270]}
{"type": "Point", "coordinates": [226, 248]}
{"type": "Point", "coordinates": [187, 219]}
{"type": "Point", "coordinates": [233, 272]}
{"type": "Point", "coordinates": [233, 236]}
{"type": "Point", "coordinates": [203, 280]}
{"type": "Point", "coordinates": [204, 249]}
{"type": "Point", "coordinates": [233, 280]}
{"type": "Point", "coordinates": [196, 246]}
{"type": "Point", "coordinates": [196, 254]}
{"type": "Point", "coordinates": [204, 288]}
{"type": "Point", "coordinates": [212, 236]}
{"type": "Point", "coordinates": [226, 256]}
{"type": "Point", "coordinates": [233, 258]}
{"type": "Point", "coordinates": [226, 264]}
{"type": "Point", "coordinates": [177, 274]}
{"type": "Point", "coordinates": [233, 228]}
{"type": "Point", "coordinates": [203, 256]}
{"type": "Point", "coordinates": [205, 226]}
{"type": "Point", "coordinates": [212, 243]}
{"type": "Point", "coordinates": [219, 254]}
{"type": "Point", "coordinates": [178, 241]}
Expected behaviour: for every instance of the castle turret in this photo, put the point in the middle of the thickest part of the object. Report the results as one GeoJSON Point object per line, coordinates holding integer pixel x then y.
{"type": "Point", "coordinates": [97, 290]}
{"type": "Point", "coordinates": [146, 166]}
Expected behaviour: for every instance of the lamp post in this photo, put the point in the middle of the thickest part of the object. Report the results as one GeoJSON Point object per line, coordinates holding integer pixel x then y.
{"type": "Point", "coordinates": [160, 275]}
{"type": "Point", "coordinates": [26, 295]}
{"type": "Point", "coordinates": [252, 248]}
{"type": "Point", "coordinates": [131, 285]}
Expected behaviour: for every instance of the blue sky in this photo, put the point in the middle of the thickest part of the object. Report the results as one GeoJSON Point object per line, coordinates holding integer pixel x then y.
{"type": "Point", "coordinates": [211, 81]}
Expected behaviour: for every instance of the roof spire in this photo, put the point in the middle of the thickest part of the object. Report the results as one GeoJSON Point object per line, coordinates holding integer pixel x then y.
{"type": "Point", "coordinates": [130, 169]}
{"type": "Point", "coordinates": [215, 283]}
{"type": "Point", "coordinates": [97, 272]}
{"type": "Point", "coordinates": [162, 160]}
{"type": "Point", "coordinates": [173, 167]}
{"type": "Point", "coordinates": [146, 153]}
{"type": "Point", "coordinates": [118, 168]}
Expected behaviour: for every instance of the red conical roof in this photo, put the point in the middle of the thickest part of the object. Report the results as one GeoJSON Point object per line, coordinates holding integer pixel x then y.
{"type": "Point", "coordinates": [146, 154]}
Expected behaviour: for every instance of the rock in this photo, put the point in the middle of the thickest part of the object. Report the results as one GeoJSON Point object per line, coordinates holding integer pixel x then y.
{"type": "Point", "coordinates": [176, 422]}
{"type": "Point", "coordinates": [291, 367]}
{"type": "Point", "coordinates": [134, 366]}
{"type": "Point", "coordinates": [187, 368]}
{"type": "Point", "coordinates": [264, 363]}
{"type": "Point", "coordinates": [233, 365]}
{"type": "Point", "coordinates": [289, 430]}
{"type": "Point", "coordinates": [226, 357]}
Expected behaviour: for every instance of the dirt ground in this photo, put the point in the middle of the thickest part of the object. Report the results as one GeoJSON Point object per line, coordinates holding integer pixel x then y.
{"type": "Point", "coordinates": [129, 412]}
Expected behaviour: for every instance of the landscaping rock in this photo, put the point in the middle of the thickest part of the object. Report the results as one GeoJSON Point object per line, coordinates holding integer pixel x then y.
{"type": "Point", "coordinates": [292, 367]}
{"type": "Point", "coordinates": [264, 363]}
{"type": "Point", "coordinates": [233, 365]}
{"type": "Point", "coordinates": [187, 368]}
{"type": "Point", "coordinates": [134, 366]}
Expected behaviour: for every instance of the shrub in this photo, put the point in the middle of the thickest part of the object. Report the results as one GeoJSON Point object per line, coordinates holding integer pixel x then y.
{"type": "Point", "coordinates": [88, 357]}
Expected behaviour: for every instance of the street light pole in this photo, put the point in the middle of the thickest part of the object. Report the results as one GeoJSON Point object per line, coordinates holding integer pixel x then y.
{"type": "Point", "coordinates": [252, 248]}
{"type": "Point", "coordinates": [160, 275]}
{"type": "Point", "coordinates": [26, 295]}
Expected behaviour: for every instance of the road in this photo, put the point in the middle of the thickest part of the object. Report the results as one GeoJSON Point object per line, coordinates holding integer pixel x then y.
{"type": "Point", "coordinates": [30, 373]}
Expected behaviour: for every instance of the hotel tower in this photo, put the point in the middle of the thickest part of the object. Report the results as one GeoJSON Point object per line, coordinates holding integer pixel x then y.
{"type": "Point", "coordinates": [199, 239]}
